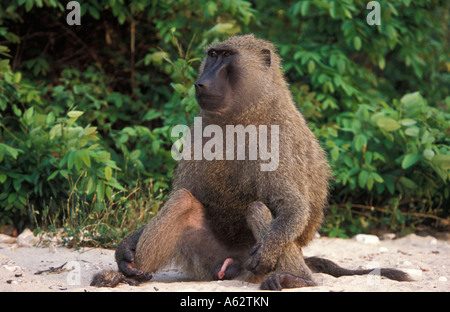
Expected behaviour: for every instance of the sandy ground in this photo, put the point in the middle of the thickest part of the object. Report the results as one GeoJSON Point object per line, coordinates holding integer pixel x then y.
{"type": "Point", "coordinates": [427, 259]}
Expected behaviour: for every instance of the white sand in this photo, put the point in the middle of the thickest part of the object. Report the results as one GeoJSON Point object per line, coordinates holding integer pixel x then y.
{"type": "Point", "coordinates": [425, 258]}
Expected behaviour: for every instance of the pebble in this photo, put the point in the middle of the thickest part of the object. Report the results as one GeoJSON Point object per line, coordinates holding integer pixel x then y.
{"type": "Point", "coordinates": [388, 236]}
{"type": "Point", "coordinates": [442, 279]}
{"type": "Point", "coordinates": [6, 239]}
{"type": "Point", "coordinates": [367, 239]}
{"type": "Point", "coordinates": [404, 263]}
{"type": "Point", "coordinates": [384, 249]}
{"type": "Point", "coordinates": [12, 268]}
{"type": "Point", "coordinates": [26, 239]}
{"type": "Point", "coordinates": [12, 282]}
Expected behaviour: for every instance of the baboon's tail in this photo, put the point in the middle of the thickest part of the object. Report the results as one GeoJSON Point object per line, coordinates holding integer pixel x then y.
{"type": "Point", "coordinates": [321, 265]}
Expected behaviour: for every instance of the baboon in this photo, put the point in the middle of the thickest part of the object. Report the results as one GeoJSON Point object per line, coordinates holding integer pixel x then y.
{"type": "Point", "coordinates": [228, 219]}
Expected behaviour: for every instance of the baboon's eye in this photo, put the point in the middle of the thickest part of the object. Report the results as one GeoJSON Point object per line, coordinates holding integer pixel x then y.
{"type": "Point", "coordinates": [212, 53]}
{"type": "Point", "coordinates": [227, 53]}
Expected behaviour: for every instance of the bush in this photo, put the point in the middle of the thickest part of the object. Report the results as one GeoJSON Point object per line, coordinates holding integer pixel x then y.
{"type": "Point", "coordinates": [393, 156]}
{"type": "Point", "coordinates": [86, 111]}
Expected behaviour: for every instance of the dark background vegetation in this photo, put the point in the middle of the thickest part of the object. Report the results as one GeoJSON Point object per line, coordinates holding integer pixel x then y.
{"type": "Point", "coordinates": [86, 111]}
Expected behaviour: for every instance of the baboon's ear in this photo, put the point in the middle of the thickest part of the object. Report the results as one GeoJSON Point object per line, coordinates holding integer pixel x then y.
{"type": "Point", "coordinates": [266, 57]}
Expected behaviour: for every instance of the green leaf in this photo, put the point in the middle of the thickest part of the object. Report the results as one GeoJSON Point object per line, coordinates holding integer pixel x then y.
{"type": "Point", "coordinates": [407, 122]}
{"type": "Point", "coordinates": [411, 99]}
{"type": "Point", "coordinates": [100, 189]}
{"type": "Point", "coordinates": [53, 175]}
{"type": "Point", "coordinates": [388, 124]}
{"type": "Point", "coordinates": [304, 7]}
{"type": "Point", "coordinates": [377, 177]}
{"type": "Point", "coordinates": [28, 115]}
{"type": "Point", "coordinates": [12, 197]}
{"type": "Point", "coordinates": [17, 183]}
{"type": "Point", "coordinates": [90, 131]}
{"type": "Point", "coordinates": [135, 155]}
{"type": "Point", "coordinates": [381, 63]}
{"type": "Point", "coordinates": [70, 160]}
{"type": "Point", "coordinates": [178, 87]}
{"type": "Point", "coordinates": [409, 160]}
{"type": "Point", "coordinates": [408, 183]}
{"type": "Point", "coordinates": [428, 154]}
{"type": "Point", "coordinates": [155, 147]}
{"type": "Point", "coordinates": [370, 182]}
{"type": "Point", "coordinates": [360, 141]}
{"type": "Point", "coordinates": [412, 131]}
{"type": "Point", "coordinates": [211, 8]}
{"type": "Point", "coordinates": [94, 13]}
{"type": "Point", "coordinates": [90, 185]}
{"type": "Point", "coordinates": [84, 154]}
{"type": "Point", "coordinates": [362, 178]}
{"type": "Point", "coordinates": [77, 160]}
{"type": "Point", "coordinates": [311, 66]}
{"type": "Point", "coordinates": [108, 192]}
{"type": "Point", "coordinates": [108, 173]}
{"type": "Point", "coordinates": [50, 119]}
{"type": "Point", "coordinates": [74, 114]}
{"type": "Point", "coordinates": [357, 43]}
{"type": "Point", "coordinates": [442, 160]}
{"type": "Point", "coordinates": [335, 153]}
{"type": "Point", "coordinates": [389, 182]}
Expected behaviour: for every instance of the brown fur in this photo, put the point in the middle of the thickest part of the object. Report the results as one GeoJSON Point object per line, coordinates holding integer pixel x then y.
{"type": "Point", "coordinates": [295, 193]}
{"type": "Point", "coordinates": [221, 209]}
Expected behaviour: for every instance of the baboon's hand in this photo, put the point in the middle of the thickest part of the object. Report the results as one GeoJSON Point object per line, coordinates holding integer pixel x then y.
{"type": "Point", "coordinates": [128, 267]}
{"type": "Point", "coordinates": [264, 259]}
{"type": "Point", "coordinates": [125, 252]}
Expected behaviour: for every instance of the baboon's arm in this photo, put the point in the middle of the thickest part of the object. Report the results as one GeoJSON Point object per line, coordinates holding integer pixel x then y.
{"type": "Point", "coordinates": [291, 212]}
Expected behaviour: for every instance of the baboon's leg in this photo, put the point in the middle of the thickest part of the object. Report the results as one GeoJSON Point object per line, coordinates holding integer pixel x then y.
{"type": "Point", "coordinates": [158, 242]}
{"type": "Point", "coordinates": [290, 270]}
{"type": "Point", "coordinates": [205, 258]}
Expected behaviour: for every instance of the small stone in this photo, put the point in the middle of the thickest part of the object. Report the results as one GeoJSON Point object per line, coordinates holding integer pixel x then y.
{"type": "Point", "coordinates": [404, 263]}
{"type": "Point", "coordinates": [13, 282]}
{"type": "Point", "coordinates": [384, 249]}
{"type": "Point", "coordinates": [12, 268]}
{"type": "Point", "coordinates": [442, 279]}
{"type": "Point", "coordinates": [388, 236]}
{"type": "Point", "coordinates": [367, 239]}
{"type": "Point", "coordinates": [26, 239]}
{"type": "Point", "coordinates": [57, 287]}
{"type": "Point", "coordinates": [6, 239]}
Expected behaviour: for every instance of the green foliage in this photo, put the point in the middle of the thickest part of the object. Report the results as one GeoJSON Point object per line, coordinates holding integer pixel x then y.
{"type": "Point", "coordinates": [393, 155]}
{"type": "Point", "coordinates": [86, 111]}
{"type": "Point", "coordinates": [384, 148]}
{"type": "Point", "coordinates": [45, 157]}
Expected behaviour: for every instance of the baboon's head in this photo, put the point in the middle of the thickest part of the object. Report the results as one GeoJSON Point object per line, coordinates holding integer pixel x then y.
{"type": "Point", "coordinates": [236, 73]}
